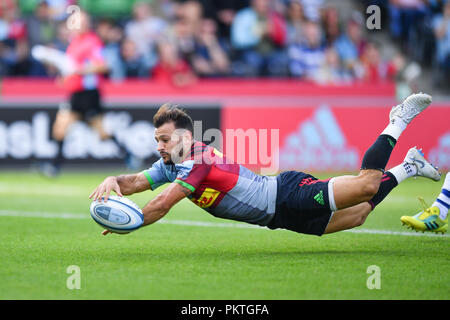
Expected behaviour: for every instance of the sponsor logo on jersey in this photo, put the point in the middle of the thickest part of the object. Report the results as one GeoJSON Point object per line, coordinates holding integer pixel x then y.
{"type": "Point", "coordinates": [207, 198]}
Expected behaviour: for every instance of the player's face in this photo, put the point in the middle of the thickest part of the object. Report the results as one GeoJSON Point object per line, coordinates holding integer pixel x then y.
{"type": "Point", "coordinates": [172, 143]}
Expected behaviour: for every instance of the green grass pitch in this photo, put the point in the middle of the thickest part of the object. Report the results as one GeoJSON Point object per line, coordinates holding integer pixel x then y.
{"type": "Point", "coordinates": [46, 228]}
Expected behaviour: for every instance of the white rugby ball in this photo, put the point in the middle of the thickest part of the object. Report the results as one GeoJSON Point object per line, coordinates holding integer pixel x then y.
{"type": "Point", "coordinates": [118, 214]}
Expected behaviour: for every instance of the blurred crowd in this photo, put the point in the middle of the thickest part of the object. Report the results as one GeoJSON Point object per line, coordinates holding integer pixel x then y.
{"type": "Point", "coordinates": [421, 29]}
{"type": "Point", "coordinates": [180, 41]}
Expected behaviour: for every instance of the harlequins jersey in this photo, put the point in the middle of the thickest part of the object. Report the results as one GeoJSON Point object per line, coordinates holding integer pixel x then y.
{"type": "Point", "coordinates": [226, 190]}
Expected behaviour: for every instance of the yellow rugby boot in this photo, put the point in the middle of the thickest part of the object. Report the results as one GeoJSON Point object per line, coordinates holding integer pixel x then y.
{"type": "Point", "coordinates": [426, 220]}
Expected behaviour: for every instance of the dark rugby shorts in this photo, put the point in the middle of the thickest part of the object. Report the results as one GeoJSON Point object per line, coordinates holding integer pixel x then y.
{"type": "Point", "coordinates": [303, 203]}
{"type": "Point", "coordinates": [86, 103]}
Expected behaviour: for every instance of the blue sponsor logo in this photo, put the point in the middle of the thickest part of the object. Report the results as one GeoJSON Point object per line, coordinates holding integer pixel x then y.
{"type": "Point", "coordinates": [112, 215]}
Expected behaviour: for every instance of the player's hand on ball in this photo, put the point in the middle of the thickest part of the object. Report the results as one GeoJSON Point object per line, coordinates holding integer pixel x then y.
{"type": "Point", "coordinates": [118, 215]}
{"type": "Point", "coordinates": [108, 185]}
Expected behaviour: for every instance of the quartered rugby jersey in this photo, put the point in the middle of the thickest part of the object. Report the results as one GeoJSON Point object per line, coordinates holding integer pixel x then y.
{"type": "Point", "coordinates": [225, 190]}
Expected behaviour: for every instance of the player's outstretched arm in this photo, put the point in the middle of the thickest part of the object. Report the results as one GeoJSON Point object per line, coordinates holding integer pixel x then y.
{"type": "Point", "coordinates": [163, 202]}
{"type": "Point", "coordinates": [121, 185]}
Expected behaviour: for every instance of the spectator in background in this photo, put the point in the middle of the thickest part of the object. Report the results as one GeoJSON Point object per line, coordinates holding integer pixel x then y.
{"type": "Point", "coordinates": [350, 45]}
{"type": "Point", "coordinates": [259, 34]}
{"type": "Point", "coordinates": [61, 42]}
{"type": "Point", "coordinates": [331, 70]}
{"type": "Point", "coordinates": [312, 9]}
{"type": "Point", "coordinates": [62, 39]}
{"type": "Point", "coordinates": [191, 12]}
{"type": "Point", "coordinates": [41, 27]}
{"type": "Point", "coordinates": [58, 8]}
{"type": "Point", "coordinates": [171, 68]}
{"type": "Point", "coordinates": [407, 76]}
{"type": "Point", "coordinates": [112, 35]}
{"type": "Point", "coordinates": [145, 29]}
{"type": "Point", "coordinates": [375, 68]}
{"type": "Point", "coordinates": [331, 24]}
{"type": "Point", "coordinates": [41, 31]}
{"type": "Point", "coordinates": [187, 25]}
{"type": "Point", "coordinates": [12, 27]}
{"type": "Point", "coordinates": [435, 6]}
{"type": "Point", "coordinates": [209, 59]}
{"type": "Point", "coordinates": [133, 62]}
{"type": "Point", "coordinates": [405, 18]}
{"type": "Point", "coordinates": [441, 27]}
{"type": "Point", "coordinates": [295, 21]}
{"type": "Point", "coordinates": [14, 48]}
{"type": "Point", "coordinates": [223, 12]}
{"type": "Point", "coordinates": [307, 56]}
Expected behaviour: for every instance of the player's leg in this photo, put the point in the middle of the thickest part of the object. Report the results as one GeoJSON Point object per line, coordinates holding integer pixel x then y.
{"type": "Point", "coordinates": [95, 118]}
{"type": "Point", "coordinates": [131, 161]}
{"type": "Point", "coordinates": [92, 109]}
{"type": "Point", "coordinates": [348, 218]}
{"type": "Point", "coordinates": [351, 190]}
{"type": "Point", "coordinates": [355, 216]}
{"type": "Point", "coordinates": [434, 218]}
{"type": "Point", "coordinates": [305, 204]}
{"type": "Point", "coordinates": [68, 113]}
{"type": "Point", "coordinates": [413, 165]}
{"type": "Point", "coordinates": [96, 123]}
{"type": "Point", "coordinates": [64, 119]}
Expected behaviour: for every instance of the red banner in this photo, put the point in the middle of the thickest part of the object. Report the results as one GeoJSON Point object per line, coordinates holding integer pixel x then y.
{"type": "Point", "coordinates": [331, 138]}
{"type": "Point", "coordinates": [221, 89]}
{"type": "Point", "coordinates": [284, 124]}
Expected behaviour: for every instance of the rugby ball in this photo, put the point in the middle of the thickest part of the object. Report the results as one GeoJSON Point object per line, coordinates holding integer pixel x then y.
{"type": "Point", "coordinates": [118, 214]}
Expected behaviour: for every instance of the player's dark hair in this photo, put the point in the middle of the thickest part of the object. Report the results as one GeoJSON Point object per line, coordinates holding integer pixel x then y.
{"type": "Point", "coordinates": [171, 113]}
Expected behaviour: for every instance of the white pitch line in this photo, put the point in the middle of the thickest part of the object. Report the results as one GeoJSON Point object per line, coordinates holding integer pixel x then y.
{"type": "Point", "coordinates": [38, 214]}
{"type": "Point", "coordinates": [396, 233]}
{"type": "Point", "coordinates": [49, 215]}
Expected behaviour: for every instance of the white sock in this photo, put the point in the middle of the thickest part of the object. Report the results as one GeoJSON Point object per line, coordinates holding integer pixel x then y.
{"type": "Point", "coordinates": [395, 127]}
{"type": "Point", "coordinates": [403, 171]}
{"type": "Point", "coordinates": [447, 181]}
{"type": "Point", "coordinates": [443, 200]}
